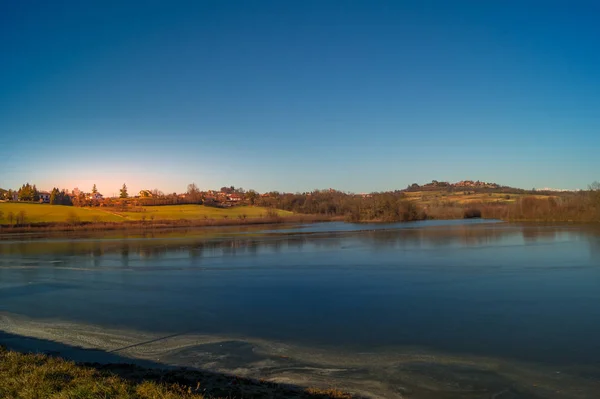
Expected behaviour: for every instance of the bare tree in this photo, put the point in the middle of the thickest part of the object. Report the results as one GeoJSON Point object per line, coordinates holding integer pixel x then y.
{"type": "Point", "coordinates": [192, 188]}
{"type": "Point", "coordinates": [193, 193]}
{"type": "Point", "coordinates": [252, 196]}
{"type": "Point", "coordinates": [21, 216]}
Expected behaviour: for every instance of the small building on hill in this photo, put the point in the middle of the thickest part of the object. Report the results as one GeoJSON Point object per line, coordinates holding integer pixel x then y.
{"type": "Point", "coordinates": [234, 197]}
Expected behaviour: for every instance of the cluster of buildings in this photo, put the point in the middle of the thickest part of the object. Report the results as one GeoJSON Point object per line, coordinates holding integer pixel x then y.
{"type": "Point", "coordinates": [212, 196]}
{"type": "Point", "coordinates": [14, 196]}
{"type": "Point", "coordinates": [475, 184]}
{"type": "Point", "coordinates": [209, 196]}
{"type": "Point", "coordinates": [461, 184]}
{"type": "Point", "coordinates": [45, 196]}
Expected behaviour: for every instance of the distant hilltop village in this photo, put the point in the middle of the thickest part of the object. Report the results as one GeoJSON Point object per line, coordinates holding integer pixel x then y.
{"type": "Point", "coordinates": [471, 185]}
{"type": "Point", "coordinates": [436, 185]}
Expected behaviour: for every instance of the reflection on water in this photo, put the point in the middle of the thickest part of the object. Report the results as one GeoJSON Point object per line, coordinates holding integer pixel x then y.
{"type": "Point", "coordinates": [67, 252]}
{"type": "Point", "coordinates": [527, 292]}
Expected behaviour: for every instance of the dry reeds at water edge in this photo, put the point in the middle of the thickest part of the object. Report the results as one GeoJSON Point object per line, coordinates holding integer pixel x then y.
{"type": "Point", "coordinates": [76, 225]}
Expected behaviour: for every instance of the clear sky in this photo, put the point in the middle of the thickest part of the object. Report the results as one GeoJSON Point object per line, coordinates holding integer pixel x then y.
{"type": "Point", "coordinates": [296, 95]}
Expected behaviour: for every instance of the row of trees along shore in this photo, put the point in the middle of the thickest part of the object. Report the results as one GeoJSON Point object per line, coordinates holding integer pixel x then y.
{"type": "Point", "coordinates": [389, 206]}
{"type": "Point", "coordinates": [581, 206]}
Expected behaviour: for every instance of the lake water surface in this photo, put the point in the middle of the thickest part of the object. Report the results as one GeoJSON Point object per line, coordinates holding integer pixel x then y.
{"type": "Point", "coordinates": [393, 305]}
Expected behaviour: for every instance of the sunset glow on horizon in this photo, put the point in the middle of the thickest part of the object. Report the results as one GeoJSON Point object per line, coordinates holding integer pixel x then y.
{"type": "Point", "coordinates": [360, 96]}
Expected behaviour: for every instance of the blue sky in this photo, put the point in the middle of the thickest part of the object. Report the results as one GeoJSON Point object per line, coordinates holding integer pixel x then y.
{"type": "Point", "coordinates": [296, 95]}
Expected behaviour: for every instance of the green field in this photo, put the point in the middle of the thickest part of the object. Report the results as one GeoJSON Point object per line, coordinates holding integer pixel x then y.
{"type": "Point", "coordinates": [195, 212]}
{"type": "Point", "coordinates": [44, 213]}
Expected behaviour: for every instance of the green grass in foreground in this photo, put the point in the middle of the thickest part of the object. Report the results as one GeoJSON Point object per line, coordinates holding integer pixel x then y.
{"type": "Point", "coordinates": [44, 213]}
{"type": "Point", "coordinates": [39, 376]}
{"type": "Point", "coordinates": [36, 376]}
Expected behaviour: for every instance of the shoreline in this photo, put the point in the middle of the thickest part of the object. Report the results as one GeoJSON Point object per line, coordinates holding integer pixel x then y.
{"type": "Point", "coordinates": [53, 374]}
{"type": "Point", "coordinates": [179, 225]}
{"type": "Point", "coordinates": [379, 373]}
{"type": "Point", "coordinates": [159, 225]}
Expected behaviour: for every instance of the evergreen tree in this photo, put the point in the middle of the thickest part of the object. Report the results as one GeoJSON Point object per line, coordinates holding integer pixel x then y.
{"type": "Point", "coordinates": [35, 193]}
{"type": "Point", "coordinates": [123, 192]}
{"type": "Point", "coordinates": [55, 197]}
{"type": "Point", "coordinates": [26, 193]}
{"type": "Point", "coordinates": [94, 190]}
{"type": "Point", "coordinates": [65, 199]}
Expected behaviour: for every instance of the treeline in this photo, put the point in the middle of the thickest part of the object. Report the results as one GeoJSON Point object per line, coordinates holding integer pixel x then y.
{"type": "Point", "coordinates": [27, 192]}
{"type": "Point", "coordinates": [30, 193]}
{"type": "Point", "coordinates": [385, 207]}
{"type": "Point", "coordinates": [393, 206]}
{"type": "Point", "coordinates": [60, 197]}
{"type": "Point", "coordinates": [583, 206]}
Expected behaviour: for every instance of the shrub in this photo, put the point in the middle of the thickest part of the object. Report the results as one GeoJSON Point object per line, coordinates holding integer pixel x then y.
{"type": "Point", "coordinates": [472, 213]}
{"type": "Point", "coordinates": [21, 217]}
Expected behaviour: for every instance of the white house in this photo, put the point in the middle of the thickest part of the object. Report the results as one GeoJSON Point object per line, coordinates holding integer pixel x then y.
{"type": "Point", "coordinates": [234, 197]}
{"type": "Point", "coordinates": [44, 197]}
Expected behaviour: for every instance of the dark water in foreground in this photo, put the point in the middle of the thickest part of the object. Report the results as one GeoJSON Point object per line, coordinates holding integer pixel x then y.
{"type": "Point", "coordinates": [523, 292]}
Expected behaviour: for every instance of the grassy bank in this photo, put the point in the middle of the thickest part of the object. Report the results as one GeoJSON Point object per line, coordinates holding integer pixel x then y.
{"type": "Point", "coordinates": [17, 217]}
{"type": "Point", "coordinates": [572, 207]}
{"type": "Point", "coordinates": [33, 376]}
{"type": "Point", "coordinates": [149, 226]}
{"type": "Point", "coordinates": [44, 213]}
{"type": "Point", "coordinates": [200, 212]}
